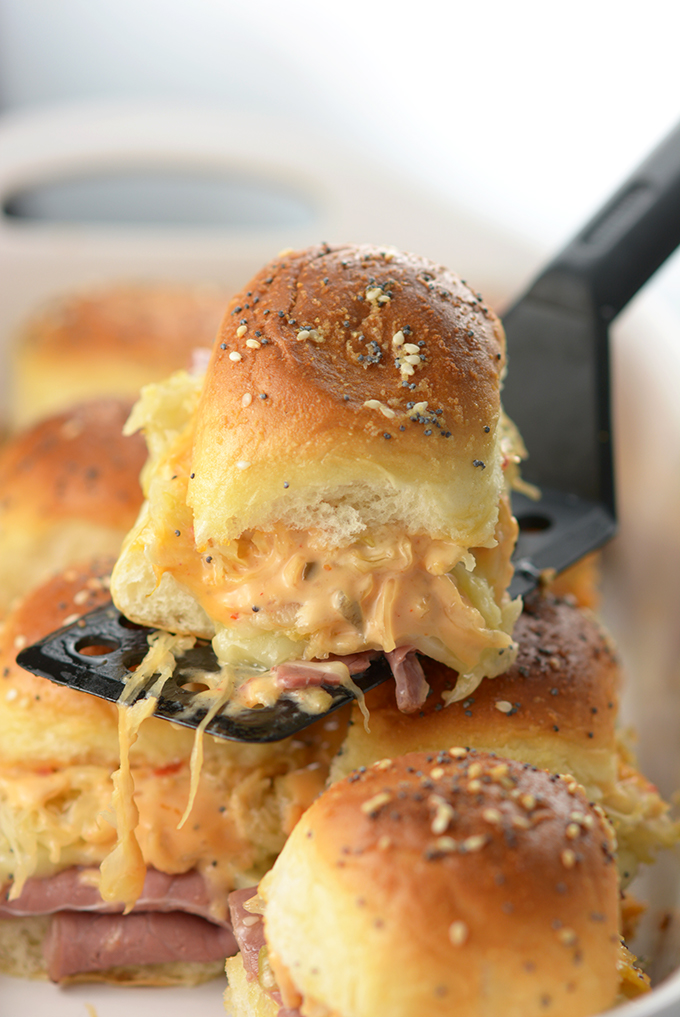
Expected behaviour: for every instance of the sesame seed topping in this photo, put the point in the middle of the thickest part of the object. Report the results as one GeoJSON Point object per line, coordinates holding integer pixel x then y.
{"type": "Point", "coordinates": [474, 786]}
{"type": "Point", "coordinates": [475, 843]}
{"type": "Point", "coordinates": [527, 802]}
{"type": "Point", "coordinates": [492, 816]}
{"type": "Point", "coordinates": [572, 831]}
{"type": "Point", "coordinates": [375, 404]}
{"type": "Point", "coordinates": [503, 705]}
{"type": "Point", "coordinates": [443, 815]}
{"type": "Point", "coordinates": [242, 464]}
{"type": "Point", "coordinates": [457, 752]}
{"type": "Point", "coordinates": [498, 771]}
{"type": "Point", "coordinates": [374, 803]}
{"type": "Point", "coordinates": [568, 858]}
{"type": "Point", "coordinates": [521, 823]}
{"type": "Point", "coordinates": [246, 399]}
{"type": "Point", "coordinates": [475, 770]}
{"type": "Point", "coordinates": [567, 937]}
{"type": "Point", "coordinates": [445, 844]}
{"type": "Point", "coordinates": [458, 933]}
{"type": "Point", "coordinates": [437, 772]}
{"type": "Point", "coordinates": [384, 843]}
{"type": "Point", "coordinates": [253, 344]}
{"type": "Point", "coordinates": [241, 330]}
{"type": "Point", "coordinates": [420, 407]}
{"type": "Point", "coordinates": [235, 356]}
{"type": "Point", "coordinates": [398, 338]}
{"type": "Point", "coordinates": [382, 764]}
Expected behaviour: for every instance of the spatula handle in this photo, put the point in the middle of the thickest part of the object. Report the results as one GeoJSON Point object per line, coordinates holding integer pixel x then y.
{"type": "Point", "coordinates": [632, 235]}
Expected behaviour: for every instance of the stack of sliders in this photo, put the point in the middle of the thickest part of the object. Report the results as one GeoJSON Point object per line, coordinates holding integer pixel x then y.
{"type": "Point", "coordinates": [336, 489]}
{"type": "Point", "coordinates": [70, 492]}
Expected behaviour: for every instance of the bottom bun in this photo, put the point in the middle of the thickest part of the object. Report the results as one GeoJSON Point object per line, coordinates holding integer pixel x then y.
{"type": "Point", "coordinates": [243, 997]}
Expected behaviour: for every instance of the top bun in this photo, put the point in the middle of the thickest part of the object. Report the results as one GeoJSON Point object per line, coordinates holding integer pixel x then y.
{"type": "Point", "coordinates": [70, 490]}
{"type": "Point", "coordinates": [351, 387]}
{"type": "Point", "coordinates": [454, 883]}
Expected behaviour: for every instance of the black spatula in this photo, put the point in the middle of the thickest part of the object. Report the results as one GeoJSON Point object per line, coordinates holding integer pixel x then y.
{"type": "Point", "coordinates": [558, 395]}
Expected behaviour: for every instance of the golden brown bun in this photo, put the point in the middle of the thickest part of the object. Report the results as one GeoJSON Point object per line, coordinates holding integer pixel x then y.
{"type": "Point", "coordinates": [555, 707]}
{"type": "Point", "coordinates": [110, 341]}
{"type": "Point", "coordinates": [440, 886]}
{"type": "Point", "coordinates": [292, 409]}
{"type": "Point", "coordinates": [70, 490]}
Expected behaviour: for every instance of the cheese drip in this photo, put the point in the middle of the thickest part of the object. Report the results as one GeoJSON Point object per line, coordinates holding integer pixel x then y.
{"type": "Point", "coordinates": [123, 871]}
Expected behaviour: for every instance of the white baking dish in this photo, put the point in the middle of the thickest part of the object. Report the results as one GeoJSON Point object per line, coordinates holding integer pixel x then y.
{"type": "Point", "coordinates": [349, 198]}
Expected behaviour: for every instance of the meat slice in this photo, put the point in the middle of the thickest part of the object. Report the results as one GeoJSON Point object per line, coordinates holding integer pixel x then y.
{"type": "Point", "coordinates": [79, 942]}
{"type": "Point", "coordinates": [248, 930]}
{"type": "Point", "coordinates": [304, 674]}
{"type": "Point", "coordinates": [249, 933]}
{"type": "Point", "coordinates": [70, 890]}
{"type": "Point", "coordinates": [412, 687]}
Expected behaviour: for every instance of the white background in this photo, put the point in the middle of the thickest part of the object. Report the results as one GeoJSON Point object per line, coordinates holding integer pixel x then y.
{"type": "Point", "coordinates": [530, 111]}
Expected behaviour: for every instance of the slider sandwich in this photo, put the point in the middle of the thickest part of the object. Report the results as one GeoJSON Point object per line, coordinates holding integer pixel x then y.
{"type": "Point", "coordinates": [58, 751]}
{"type": "Point", "coordinates": [556, 708]}
{"type": "Point", "coordinates": [337, 488]}
{"type": "Point", "coordinates": [451, 884]}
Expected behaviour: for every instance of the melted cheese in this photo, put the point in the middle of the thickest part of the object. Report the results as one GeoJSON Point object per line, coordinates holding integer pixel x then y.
{"type": "Point", "coordinates": [633, 981]}
{"type": "Point", "coordinates": [277, 595]}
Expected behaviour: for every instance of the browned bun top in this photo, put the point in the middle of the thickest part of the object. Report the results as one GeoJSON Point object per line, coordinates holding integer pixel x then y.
{"type": "Point", "coordinates": [76, 463]}
{"type": "Point", "coordinates": [325, 358]}
{"type": "Point", "coordinates": [143, 323]}
{"type": "Point", "coordinates": [69, 491]}
{"type": "Point", "coordinates": [451, 882]}
{"type": "Point", "coordinates": [35, 709]}
{"type": "Point", "coordinates": [327, 291]}
{"type": "Point", "coordinates": [556, 706]}
{"type": "Point", "coordinates": [109, 341]}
